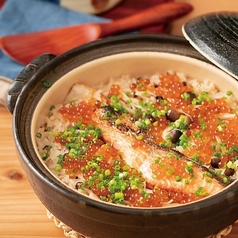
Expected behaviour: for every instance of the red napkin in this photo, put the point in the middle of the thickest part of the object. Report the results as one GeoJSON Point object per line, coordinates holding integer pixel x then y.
{"type": "Point", "coordinates": [1, 3]}
{"type": "Point", "coordinates": [129, 7]}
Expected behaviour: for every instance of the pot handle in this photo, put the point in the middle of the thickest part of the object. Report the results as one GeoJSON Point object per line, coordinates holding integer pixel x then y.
{"type": "Point", "coordinates": [22, 78]}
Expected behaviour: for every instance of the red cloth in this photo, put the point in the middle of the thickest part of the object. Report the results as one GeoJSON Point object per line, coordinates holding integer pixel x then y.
{"type": "Point", "coordinates": [129, 7]}
{"type": "Point", "coordinates": [1, 3]}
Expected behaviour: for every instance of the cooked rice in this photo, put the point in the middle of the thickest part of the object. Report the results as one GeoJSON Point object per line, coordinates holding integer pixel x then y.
{"type": "Point", "coordinates": [58, 123]}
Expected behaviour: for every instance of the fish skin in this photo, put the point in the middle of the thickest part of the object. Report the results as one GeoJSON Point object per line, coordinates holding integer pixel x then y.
{"type": "Point", "coordinates": [122, 138]}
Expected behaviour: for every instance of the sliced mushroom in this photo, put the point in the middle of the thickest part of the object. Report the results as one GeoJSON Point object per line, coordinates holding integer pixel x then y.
{"type": "Point", "coordinates": [175, 134]}
{"type": "Point", "coordinates": [188, 119]}
{"type": "Point", "coordinates": [229, 172]}
{"type": "Point", "coordinates": [173, 115]}
{"type": "Point", "coordinates": [215, 162]}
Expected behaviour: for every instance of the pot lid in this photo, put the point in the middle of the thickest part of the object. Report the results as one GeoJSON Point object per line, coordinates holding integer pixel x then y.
{"type": "Point", "coordinates": [215, 36]}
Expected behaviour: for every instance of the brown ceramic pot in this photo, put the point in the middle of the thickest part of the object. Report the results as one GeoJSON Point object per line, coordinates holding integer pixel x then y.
{"type": "Point", "coordinates": [92, 63]}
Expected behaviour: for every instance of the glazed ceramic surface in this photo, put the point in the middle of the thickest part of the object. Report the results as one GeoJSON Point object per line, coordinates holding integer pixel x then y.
{"type": "Point", "coordinates": [215, 36]}
{"type": "Point", "coordinates": [93, 63]}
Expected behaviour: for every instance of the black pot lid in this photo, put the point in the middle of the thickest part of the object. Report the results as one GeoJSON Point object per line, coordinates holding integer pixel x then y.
{"type": "Point", "coordinates": [215, 36]}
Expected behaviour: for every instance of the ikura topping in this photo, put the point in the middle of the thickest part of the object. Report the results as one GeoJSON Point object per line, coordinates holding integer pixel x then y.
{"type": "Point", "coordinates": [148, 143]}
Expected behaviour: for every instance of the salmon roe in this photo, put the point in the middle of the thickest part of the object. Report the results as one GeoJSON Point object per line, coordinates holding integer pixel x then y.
{"type": "Point", "coordinates": [211, 132]}
{"type": "Point", "coordinates": [208, 131]}
{"type": "Point", "coordinates": [74, 112]}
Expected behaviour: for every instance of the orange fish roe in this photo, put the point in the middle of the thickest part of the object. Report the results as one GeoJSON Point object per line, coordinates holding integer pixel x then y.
{"type": "Point", "coordinates": [208, 126]}
{"type": "Point", "coordinates": [208, 129]}
{"type": "Point", "coordinates": [170, 86]}
{"type": "Point", "coordinates": [114, 90]}
{"type": "Point", "coordinates": [167, 113]}
{"type": "Point", "coordinates": [157, 128]}
{"type": "Point", "coordinates": [139, 144]}
{"type": "Point", "coordinates": [74, 112]}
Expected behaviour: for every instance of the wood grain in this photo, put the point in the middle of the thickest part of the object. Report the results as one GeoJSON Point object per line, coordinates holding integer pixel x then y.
{"type": "Point", "coordinates": [21, 213]}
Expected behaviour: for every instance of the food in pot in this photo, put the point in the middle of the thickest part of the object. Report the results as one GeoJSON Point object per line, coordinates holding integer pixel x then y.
{"type": "Point", "coordinates": [144, 142]}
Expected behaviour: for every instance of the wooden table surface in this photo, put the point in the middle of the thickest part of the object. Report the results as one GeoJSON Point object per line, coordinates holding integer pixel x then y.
{"type": "Point", "coordinates": [22, 214]}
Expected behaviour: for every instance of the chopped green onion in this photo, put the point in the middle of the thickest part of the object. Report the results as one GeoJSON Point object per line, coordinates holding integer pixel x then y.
{"type": "Point", "coordinates": [58, 168]}
{"type": "Point", "coordinates": [47, 84]}
{"type": "Point", "coordinates": [38, 135]}
{"type": "Point", "coordinates": [178, 178]}
{"type": "Point", "coordinates": [229, 93]}
{"type": "Point", "coordinates": [200, 192]}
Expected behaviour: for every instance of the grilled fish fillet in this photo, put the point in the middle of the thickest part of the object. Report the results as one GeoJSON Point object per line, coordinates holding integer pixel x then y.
{"type": "Point", "coordinates": [161, 167]}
